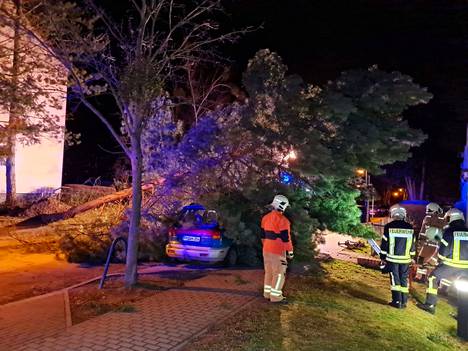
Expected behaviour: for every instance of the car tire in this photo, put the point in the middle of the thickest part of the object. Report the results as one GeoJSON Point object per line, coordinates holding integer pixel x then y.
{"type": "Point", "coordinates": [231, 257]}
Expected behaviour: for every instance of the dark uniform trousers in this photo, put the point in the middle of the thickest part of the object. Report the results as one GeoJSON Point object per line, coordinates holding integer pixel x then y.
{"type": "Point", "coordinates": [442, 274]}
{"type": "Point", "coordinates": [399, 281]}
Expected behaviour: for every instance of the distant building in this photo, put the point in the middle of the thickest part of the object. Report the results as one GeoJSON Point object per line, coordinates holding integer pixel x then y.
{"type": "Point", "coordinates": [39, 165]}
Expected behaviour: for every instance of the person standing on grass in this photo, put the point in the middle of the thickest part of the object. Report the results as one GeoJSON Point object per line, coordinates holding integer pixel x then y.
{"type": "Point", "coordinates": [453, 256]}
{"type": "Point", "coordinates": [398, 248]}
{"type": "Point", "coordinates": [277, 247]}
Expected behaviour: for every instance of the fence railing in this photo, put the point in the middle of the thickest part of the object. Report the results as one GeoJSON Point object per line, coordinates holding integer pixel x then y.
{"type": "Point", "coordinates": [109, 257]}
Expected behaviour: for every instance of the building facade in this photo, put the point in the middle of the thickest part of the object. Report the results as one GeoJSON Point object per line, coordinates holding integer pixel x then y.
{"type": "Point", "coordinates": [39, 160]}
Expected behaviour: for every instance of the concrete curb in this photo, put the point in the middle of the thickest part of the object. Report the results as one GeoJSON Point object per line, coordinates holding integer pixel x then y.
{"type": "Point", "coordinates": [67, 288]}
{"type": "Point", "coordinates": [68, 318]}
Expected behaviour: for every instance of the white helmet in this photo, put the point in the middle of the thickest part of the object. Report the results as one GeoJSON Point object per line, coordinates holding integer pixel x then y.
{"type": "Point", "coordinates": [454, 214]}
{"type": "Point", "coordinates": [280, 202]}
{"type": "Point", "coordinates": [397, 212]}
{"type": "Point", "coordinates": [432, 207]}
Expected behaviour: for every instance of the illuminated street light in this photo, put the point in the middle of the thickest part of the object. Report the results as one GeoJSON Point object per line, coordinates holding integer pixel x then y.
{"type": "Point", "coordinates": [462, 318]}
{"type": "Point", "coordinates": [291, 156]}
{"type": "Point", "coordinates": [360, 172]}
{"type": "Point", "coordinates": [400, 190]}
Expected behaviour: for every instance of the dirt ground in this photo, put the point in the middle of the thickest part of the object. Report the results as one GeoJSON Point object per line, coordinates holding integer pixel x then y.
{"type": "Point", "coordinates": [25, 274]}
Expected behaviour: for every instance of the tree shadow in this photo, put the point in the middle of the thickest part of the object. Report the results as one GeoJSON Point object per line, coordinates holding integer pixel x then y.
{"type": "Point", "coordinates": [38, 221]}
{"type": "Point", "coordinates": [360, 291]}
{"type": "Point", "coordinates": [180, 275]}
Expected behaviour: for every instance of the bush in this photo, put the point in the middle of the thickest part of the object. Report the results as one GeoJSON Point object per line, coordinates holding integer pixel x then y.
{"type": "Point", "coordinates": [77, 194]}
{"type": "Point", "coordinates": [45, 206]}
{"type": "Point", "coordinates": [87, 237]}
{"type": "Point", "coordinates": [241, 214]}
{"type": "Point", "coordinates": [333, 203]}
{"type": "Point", "coordinates": [241, 223]}
{"type": "Point", "coordinates": [153, 236]}
{"type": "Point", "coordinates": [89, 247]}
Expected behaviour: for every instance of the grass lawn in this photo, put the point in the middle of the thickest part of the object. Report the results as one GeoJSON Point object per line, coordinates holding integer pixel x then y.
{"type": "Point", "coordinates": [346, 309]}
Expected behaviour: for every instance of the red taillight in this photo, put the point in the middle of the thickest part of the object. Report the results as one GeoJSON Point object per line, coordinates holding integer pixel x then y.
{"type": "Point", "coordinates": [172, 234]}
{"type": "Point", "coordinates": [216, 236]}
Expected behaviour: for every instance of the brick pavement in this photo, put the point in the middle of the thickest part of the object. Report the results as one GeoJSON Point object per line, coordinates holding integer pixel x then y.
{"type": "Point", "coordinates": [35, 318]}
{"type": "Point", "coordinates": [164, 321]}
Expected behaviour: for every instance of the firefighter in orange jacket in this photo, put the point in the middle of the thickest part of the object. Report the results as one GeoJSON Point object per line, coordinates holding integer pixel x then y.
{"type": "Point", "coordinates": [277, 246]}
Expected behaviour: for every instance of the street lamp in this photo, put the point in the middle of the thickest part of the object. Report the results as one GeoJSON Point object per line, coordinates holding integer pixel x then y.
{"type": "Point", "coordinates": [462, 317]}
{"type": "Point", "coordinates": [290, 156]}
{"type": "Point", "coordinates": [361, 172]}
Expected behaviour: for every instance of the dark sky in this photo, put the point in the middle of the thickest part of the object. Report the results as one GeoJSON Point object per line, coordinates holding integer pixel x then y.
{"type": "Point", "coordinates": [318, 39]}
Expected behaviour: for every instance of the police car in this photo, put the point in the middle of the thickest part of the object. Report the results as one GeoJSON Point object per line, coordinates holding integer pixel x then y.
{"type": "Point", "coordinates": [197, 236]}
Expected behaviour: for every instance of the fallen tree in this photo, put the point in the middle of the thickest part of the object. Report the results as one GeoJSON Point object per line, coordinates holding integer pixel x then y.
{"type": "Point", "coordinates": [89, 205]}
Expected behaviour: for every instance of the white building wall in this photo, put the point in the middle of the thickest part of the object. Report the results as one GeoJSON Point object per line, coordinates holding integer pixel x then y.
{"type": "Point", "coordinates": [38, 166]}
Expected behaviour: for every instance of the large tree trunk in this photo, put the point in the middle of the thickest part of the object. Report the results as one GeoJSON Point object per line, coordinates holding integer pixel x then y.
{"type": "Point", "coordinates": [11, 172]}
{"type": "Point", "coordinates": [11, 141]}
{"type": "Point", "coordinates": [131, 275]}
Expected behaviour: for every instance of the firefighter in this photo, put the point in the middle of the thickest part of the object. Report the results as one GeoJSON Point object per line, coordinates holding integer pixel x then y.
{"type": "Point", "coordinates": [433, 222]}
{"type": "Point", "coordinates": [398, 247]}
{"type": "Point", "coordinates": [453, 256]}
{"type": "Point", "coordinates": [277, 247]}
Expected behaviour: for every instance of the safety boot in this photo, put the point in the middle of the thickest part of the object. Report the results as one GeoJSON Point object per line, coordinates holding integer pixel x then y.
{"type": "Point", "coordinates": [426, 307]}
{"type": "Point", "coordinates": [404, 300]}
{"type": "Point", "coordinates": [396, 299]}
{"type": "Point", "coordinates": [281, 302]}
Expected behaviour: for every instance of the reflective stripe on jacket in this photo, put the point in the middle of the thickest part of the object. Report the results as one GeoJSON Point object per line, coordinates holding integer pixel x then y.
{"type": "Point", "coordinates": [398, 242]}
{"type": "Point", "coordinates": [453, 248]}
{"type": "Point", "coordinates": [276, 233]}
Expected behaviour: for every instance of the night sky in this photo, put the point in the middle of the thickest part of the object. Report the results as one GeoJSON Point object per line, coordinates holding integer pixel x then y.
{"type": "Point", "coordinates": [427, 40]}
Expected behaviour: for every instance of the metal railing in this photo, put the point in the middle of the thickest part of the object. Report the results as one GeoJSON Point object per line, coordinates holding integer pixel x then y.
{"type": "Point", "coordinates": [109, 256]}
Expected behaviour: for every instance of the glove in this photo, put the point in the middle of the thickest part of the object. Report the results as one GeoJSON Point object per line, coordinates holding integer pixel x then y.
{"type": "Point", "coordinates": [385, 267]}
{"type": "Point", "coordinates": [289, 255]}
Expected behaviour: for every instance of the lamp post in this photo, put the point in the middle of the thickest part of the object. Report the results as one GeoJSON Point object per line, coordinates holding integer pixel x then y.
{"type": "Point", "coordinates": [363, 173]}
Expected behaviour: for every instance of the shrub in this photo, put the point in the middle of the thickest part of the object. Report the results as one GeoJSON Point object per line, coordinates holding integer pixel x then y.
{"type": "Point", "coordinates": [241, 224]}
{"type": "Point", "coordinates": [333, 203]}
{"type": "Point", "coordinates": [86, 238]}
{"type": "Point", "coordinates": [89, 247]}
{"type": "Point", "coordinates": [77, 194]}
{"type": "Point", "coordinates": [45, 206]}
{"type": "Point", "coordinates": [153, 236]}
{"type": "Point", "coordinates": [241, 214]}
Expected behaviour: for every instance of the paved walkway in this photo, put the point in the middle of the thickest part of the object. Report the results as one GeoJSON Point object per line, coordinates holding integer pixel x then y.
{"type": "Point", "coordinates": [336, 251]}
{"type": "Point", "coordinates": [164, 321]}
{"type": "Point", "coordinates": [38, 317]}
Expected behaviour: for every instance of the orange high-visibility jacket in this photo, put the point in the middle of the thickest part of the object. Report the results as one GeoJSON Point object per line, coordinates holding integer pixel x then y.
{"type": "Point", "coordinates": [276, 233]}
